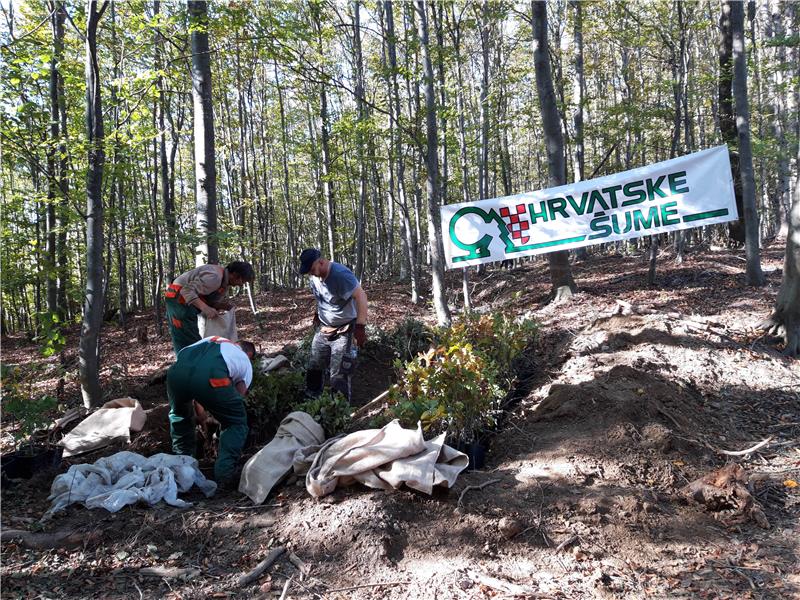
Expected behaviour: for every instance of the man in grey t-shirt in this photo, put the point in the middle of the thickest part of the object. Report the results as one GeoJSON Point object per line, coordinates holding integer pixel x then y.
{"type": "Point", "coordinates": [341, 320]}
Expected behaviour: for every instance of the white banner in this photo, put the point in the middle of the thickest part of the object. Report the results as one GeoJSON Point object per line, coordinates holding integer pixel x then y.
{"type": "Point", "coordinates": [681, 193]}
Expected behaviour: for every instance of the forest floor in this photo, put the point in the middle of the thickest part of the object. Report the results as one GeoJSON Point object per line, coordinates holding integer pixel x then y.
{"type": "Point", "coordinates": [636, 392]}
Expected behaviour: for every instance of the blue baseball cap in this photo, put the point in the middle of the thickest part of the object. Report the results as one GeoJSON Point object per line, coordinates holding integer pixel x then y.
{"type": "Point", "coordinates": [307, 258]}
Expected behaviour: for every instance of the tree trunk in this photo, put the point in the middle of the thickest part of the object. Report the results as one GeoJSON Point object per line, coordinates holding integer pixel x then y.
{"type": "Point", "coordinates": [408, 238]}
{"type": "Point", "coordinates": [483, 164]}
{"type": "Point", "coordinates": [455, 34]}
{"type": "Point", "coordinates": [327, 184]}
{"type": "Point", "coordinates": [563, 286]}
{"type": "Point", "coordinates": [89, 363]}
{"type": "Point", "coordinates": [754, 273]}
{"type": "Point", "coordinates": [166, 198]}
{"type": "Point", "coordinates": [679, 94]}
{"type": "Point", "coordinates": [358, 63]}
{"type": "Point", "coordinates": [204, 156]}
{"type": "Point", "coordinates": [432, 180]}
{"type": "Point", "coordinates": [786, 317]}
{"type": "Point", "coordinates": [53, 190]}
{"type": "Point", "coordinates": [727, 121]}
{"type": "Point", "coordinates": [285, 157]}
{"type": "Point", "coordinates": [579, 95]}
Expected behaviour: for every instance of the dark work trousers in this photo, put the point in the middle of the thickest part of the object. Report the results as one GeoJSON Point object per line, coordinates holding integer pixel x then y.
{"type": "Point", "coordinates": [182, 320]}
{"type": "Point", "coordinates": [201, 374]}
{"type": "Point", "coordinates": [338, 355]}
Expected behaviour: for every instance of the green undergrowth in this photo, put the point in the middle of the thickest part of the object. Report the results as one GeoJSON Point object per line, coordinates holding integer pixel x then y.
{"type": "Point", "coordinates": [449, 379]}
{"type": "Point", "coordinates": [457, 384]}
{"type": "Point", "coordinates": [274, 395]}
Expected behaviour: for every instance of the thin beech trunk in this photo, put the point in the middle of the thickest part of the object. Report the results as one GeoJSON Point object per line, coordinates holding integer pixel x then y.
{"type": "Point", "coordinates": [563, 286]}
{"type": "Point", "coordinates": [455, 34]}
{"type": "Point", "coordinates": [290, 233]}
{"type": "Point", "coordinates": [754, 274]}
{"type": "Point", "coordinates": [358, 61]}
{"type": "Point", "coordinates": [785, 319]}
{"type": "Point", "coordinates": [579, 94]}
{"type": "Point", "coordinates": [432, 183]}
{"type": "Point", "coordinates": [53, 190]}
{"type": "Point", "coordinates": [409, 242]}
{"type": "Point", "coordinates": [727, 120]}
{"type": "Point", "coordinates": [89, 364]}
{"type": "Point", "coordinates": [204, 155]}
{"type": "Point", "coordinates": [325, 126]}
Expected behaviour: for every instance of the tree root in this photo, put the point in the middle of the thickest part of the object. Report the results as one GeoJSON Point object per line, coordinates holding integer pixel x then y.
{"type": "Point", "coordinates": [776, 325]}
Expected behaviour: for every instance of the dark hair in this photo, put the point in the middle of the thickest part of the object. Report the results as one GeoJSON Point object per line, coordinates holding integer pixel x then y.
{"type": "Point", "coordinates": [242, 269]}
{"type": "Point", "coordinates": [248, 347]}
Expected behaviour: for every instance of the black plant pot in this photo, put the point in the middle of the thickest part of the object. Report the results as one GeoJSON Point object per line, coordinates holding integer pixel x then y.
{"type": "Point", "coordinates": [475, 451]}
{"type": "Point", "coordinates": [24, 464]}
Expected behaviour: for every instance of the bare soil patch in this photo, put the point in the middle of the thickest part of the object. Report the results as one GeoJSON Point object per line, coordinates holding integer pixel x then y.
{"type": "Point", "coordinates": [582, 495]}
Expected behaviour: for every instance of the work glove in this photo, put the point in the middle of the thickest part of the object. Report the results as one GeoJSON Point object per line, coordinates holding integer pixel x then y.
{"type": "Point", "coordinates": [360, 334]}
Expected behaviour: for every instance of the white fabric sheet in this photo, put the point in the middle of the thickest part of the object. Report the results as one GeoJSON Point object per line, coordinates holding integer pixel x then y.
{"type": "Point", "coordinates": [125, 478]}
{"type": "Point", "coordinates": [274, 461]}
{"type": "Point", "coordinates": [112, 422]}
{"type": "Point", "coordinates": [383, 458]}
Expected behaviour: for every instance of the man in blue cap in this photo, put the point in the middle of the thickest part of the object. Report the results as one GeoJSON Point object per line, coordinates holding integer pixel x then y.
{"type": "Point", "coordinates": [340, 320]}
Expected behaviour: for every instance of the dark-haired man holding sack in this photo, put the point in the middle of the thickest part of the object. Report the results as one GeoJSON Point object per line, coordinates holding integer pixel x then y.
{"type": "Point", "coordinates": [201, 290]}
{"type": "Point", "coordinates": [341, 317]}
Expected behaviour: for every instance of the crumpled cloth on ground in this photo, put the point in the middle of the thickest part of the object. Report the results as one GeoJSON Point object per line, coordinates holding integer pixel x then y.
{"type": "Point", "coordinates": [274, 461]}
{"type": "Point", "coordinates": [126, 478]}
{"type": "Point", "coordinates": [110, 423]}
{"type": "Point", "coordinates": [267, 365]}
{"type": "Point", "coordinates": [384, 459]}
{"type": "Point", "coordinates": [223, 325]}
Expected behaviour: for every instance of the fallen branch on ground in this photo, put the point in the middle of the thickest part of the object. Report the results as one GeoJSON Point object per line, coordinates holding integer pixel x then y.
{"type": "Point", "coordinates": [286, 588]}
{"type": "Point", "coordinates": [169, 572]}
{"type": "Point", "coordinates": [46, 541]}
{"type": "Point", "coordinates": [261, 567]}
{"type": "Point", "coordinates": [567, 542]}
{"type": "Point", "coordinates": [474, 487]}
{"type": "Point", "coordinates": [504, 586]}
{"type": "Point", "coordinates": [759, 445]}
{"type": "Point", "coordinates": [304, 568]}
{"type": "Point", "coordinates": [366, 585]}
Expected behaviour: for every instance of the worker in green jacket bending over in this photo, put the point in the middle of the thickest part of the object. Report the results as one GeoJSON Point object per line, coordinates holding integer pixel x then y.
{"type": "Point", "coordinates": [201, 290]}
{"type": "Point", "coordinates": [216, 373]}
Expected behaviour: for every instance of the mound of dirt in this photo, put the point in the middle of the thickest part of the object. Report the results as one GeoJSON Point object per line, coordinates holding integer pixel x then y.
{"type": "Point", "coordinates": [624, 395]}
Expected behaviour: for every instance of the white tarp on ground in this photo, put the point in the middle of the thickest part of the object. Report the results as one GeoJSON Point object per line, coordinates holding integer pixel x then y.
{"type": "Point", "coordinates": [224, 326]}
{"type": "Point", "coordinates": [274, 461]}
{"type": "Point", "coordinates": [126, 478]}
{"type": "Point", "coordinates": [384, 459]}
{"type": "Point", "coordinates": [112, 422]}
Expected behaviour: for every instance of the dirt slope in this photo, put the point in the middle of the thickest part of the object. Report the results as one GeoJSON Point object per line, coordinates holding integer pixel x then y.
{"type": "Point", "coordinates": [635, 393]}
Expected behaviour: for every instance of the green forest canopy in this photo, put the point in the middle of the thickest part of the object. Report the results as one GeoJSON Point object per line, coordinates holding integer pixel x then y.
{"type": "Point", "coordinates": [294, 144]}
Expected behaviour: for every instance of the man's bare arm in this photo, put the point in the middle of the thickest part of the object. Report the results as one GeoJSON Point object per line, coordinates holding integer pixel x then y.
{"type": "Point", "coordinates": [360, 297]}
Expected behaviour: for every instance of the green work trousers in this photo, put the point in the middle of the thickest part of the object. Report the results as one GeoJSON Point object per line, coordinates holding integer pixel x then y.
{"type": "Point", "coordinates": [194, 377]}
{"type": "Point", "coordinates": [182, 319]}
